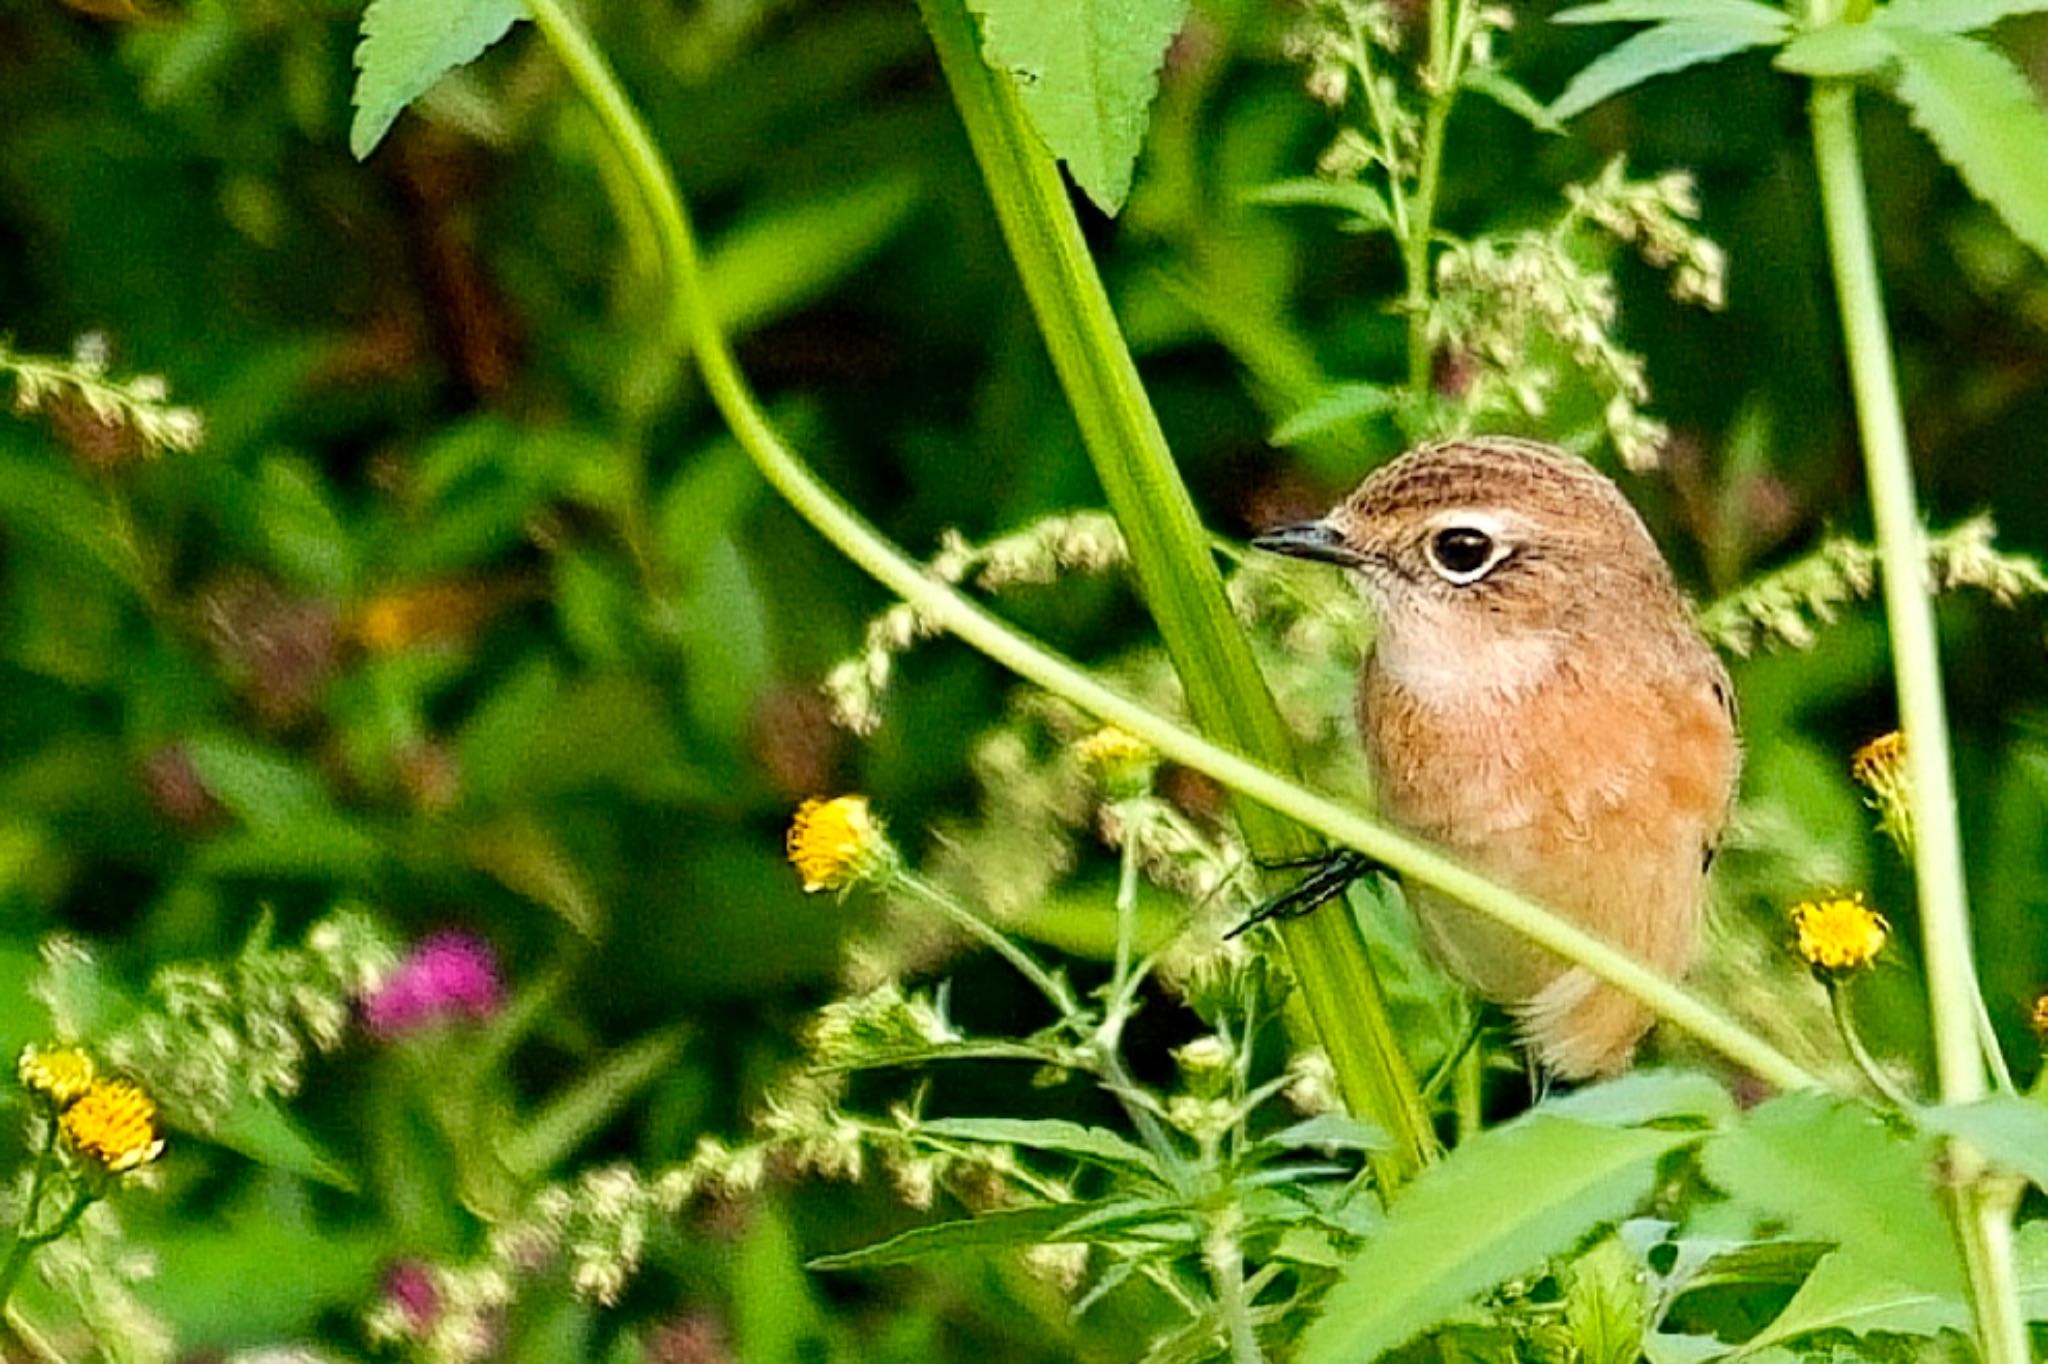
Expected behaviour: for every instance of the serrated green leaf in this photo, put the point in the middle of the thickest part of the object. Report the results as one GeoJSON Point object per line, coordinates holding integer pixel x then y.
{"type": "Point", "coordinates": [1085, 73]}
{"type": "Point", "coordinates": [1842, 1295]}
{"type": "Point", "coordinates": [408, 45]}
{"type": "Point", "coordinates": [1361, 201]}
{"type": "Point", "coordinates": [580, 1110]}
{"type": "Point", "coordinates": [1985, 119]}
{"type": "Point", "coordinates": [2006, 1129]}
{"type": "Point", "coordinates": [1953, 16]}
{"type": "Point", "coordinates": [1096, 1145]}
{"type": "Point", "coordinates": [1728, 13]}
{"type": "Point", "coordinates": [1498, 1205]}
{"type": "Point", "coordinates": [1838, 51]}
{"type": "Point", "coordinates": [1833, 1170]}
{"type": "Point", "coordinates": [1328, 1132]}
{"type": "Point", "coordinates": [1645, 1096]}
{"type": "Point", "coordinates": [991, 1231]}
{"type": "Point", "coordinates": [1660, 51]}
{"type": "Point", "coordinates": [1334, 407]}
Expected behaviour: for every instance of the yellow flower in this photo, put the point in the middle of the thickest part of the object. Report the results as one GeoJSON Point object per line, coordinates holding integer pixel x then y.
{"type": "Point", "coordinates": [837, 843]}
{"type": "Point", "coordinates": [1120, 761]}
{"type": "Point", "coordinates": [1880, 766]}
{"type": "Point", "coordinates": [60, 1074]}
{"type": "Point", "coordinates": [1840, 934]}
{"type": "Point", "coordinates": [114, 1124]}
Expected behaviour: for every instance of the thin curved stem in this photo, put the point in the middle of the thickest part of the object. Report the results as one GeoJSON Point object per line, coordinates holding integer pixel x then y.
{"type": "Point", "coordinates": [948, 610]}
{"type": "Point", "coordinates": [1852, 1038]}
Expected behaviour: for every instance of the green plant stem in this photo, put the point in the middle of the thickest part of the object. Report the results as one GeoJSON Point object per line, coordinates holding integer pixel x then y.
{"type": "Point", "coordinates": [25, 1240]}
{"type": "Point", "coordinates": [1174, 567]}
{"type": "Point", "coordinates": [948, 610]}
{"type": "Point", "coordinates": [960, 916]}
{"type": "Point", "coordinates": [1984, 1229]}
{"type": "Point", "coordinates": [1225, 1261]}
{"type": "Point", "coordinates": [1126, 910]}
{"type": "Point", "coordinates": [1440, 79]}
{"type": "Point", "coordinates": [1852, 1038]}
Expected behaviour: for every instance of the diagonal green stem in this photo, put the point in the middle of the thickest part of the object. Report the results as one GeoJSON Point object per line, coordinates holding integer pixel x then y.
{"type": "Point", "coordinates": [1982, 1223]}
{"type": "Point", "coordinates": [948, 610]}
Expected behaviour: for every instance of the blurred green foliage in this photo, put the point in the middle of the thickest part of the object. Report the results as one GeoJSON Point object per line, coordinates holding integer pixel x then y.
{"type": "Point", "coordinates": [467, 609]}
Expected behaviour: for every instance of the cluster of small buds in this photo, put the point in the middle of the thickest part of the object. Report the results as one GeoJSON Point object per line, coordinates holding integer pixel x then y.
{"type": "Point", "coordinates": [1312, 1083]}
{"type": "Point", "coordinates": [106, 421]}
{"type": "Point", "coordinates": [1656, 217]}
{"type": "Point", "coordinates": [801, 1121]}
{"type": "Point", "coordinates": [1966, 555]}
{"type": "Point", "coordinates": [1079, 542]}
{"type": "Point", "coordinates": [1496, 297]}
{"type": "Point", "coordinates": [1207, 1066]}
{"type": "Point", "coordinates": [218, 1033]}
{"type": "Point", "coordinates": [1172, 852]}
{"type": "Point", "coordinates": [882, 1023]}
{"type": "Point", "coordinates": [1787, 606]}
{"type": "Point", "coordinates": [593, 1231]}
{"type": "Point", "coordinates": [1838, 935]}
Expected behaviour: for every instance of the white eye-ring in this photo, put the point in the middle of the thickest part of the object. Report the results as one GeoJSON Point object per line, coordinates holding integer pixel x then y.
{"type": "Point", "coordinates": [1465, 551]}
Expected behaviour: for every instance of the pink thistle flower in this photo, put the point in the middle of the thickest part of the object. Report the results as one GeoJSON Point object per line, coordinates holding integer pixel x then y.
{"type": "Point", "coordinates": [449, 975]}
{"type": "Point", "coordinates": [409, 1287]}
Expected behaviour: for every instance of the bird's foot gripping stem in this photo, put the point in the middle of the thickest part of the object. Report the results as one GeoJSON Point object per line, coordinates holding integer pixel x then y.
{"type": "Point", "coordinates": [1329, 874]}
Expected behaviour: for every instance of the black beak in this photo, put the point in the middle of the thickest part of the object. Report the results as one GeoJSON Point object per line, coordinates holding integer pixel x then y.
{"type": "Point", "coordinates": [1318, 540]}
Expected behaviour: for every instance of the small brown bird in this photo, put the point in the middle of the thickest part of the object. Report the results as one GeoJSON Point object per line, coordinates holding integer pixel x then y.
{"type": "Point", "coordinates": [1537, 703]}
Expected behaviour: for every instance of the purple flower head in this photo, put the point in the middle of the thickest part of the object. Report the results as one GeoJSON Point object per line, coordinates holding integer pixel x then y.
{"type": "Point", "coordinates": [449, 975]}
{"type": "Point", "coordinates": [409, 1286]}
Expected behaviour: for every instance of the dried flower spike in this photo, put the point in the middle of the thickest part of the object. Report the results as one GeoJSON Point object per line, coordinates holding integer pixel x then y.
{"type": "Point", "coordinates": [1880, 767]}
{"type": "Point", "coordinates": [60, 1074]}
{"type": "Point", "coordinates": [837, 843]}
{"type": "Point", "coordinates": [1838, 935]}
{"type": "Point", "coordinates": [114, 1125]}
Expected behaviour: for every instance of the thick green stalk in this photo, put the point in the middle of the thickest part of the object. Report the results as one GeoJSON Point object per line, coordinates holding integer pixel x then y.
{"type": "Point", "coordinates": [1984, 1227]}
{"type": "Point", "coordinates": [952, 612]}
{"type": "Point", "coordinates": [1174, 566]}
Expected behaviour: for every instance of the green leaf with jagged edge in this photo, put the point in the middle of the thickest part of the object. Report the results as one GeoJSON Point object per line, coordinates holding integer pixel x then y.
{"type": "Point", "coordinates": [1041, 1225]}
{"type": "Point", "coordinates": [1085, 74]}
{"type": "Point", "coordinates": [1830, 1169]}
{"type": "Point", "coordinates": [1498, 1205]}
{"type": "Point", "coordinates": [2006, 1129]}
{"type": "Point", "coordinates": [1954, 16]}
{"type": "Point", "coordinates": [1692, 37]}
{"type": "Point", "coordinates": [1095, 1145]}
{"type": "Point", "coordinates": [408, 45]}
{"type": "Point", "coordinates": [1723, 12]}
{"type": "Point", "coordinates": [1985, 119]}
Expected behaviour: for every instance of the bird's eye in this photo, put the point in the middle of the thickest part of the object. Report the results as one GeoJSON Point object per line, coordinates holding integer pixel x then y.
{"type": "Point", "coordinates": [1463, 554]}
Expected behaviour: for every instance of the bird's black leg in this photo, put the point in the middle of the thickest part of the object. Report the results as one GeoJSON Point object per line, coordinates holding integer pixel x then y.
{"type": "Point", "coordinates": [1330, 874]}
